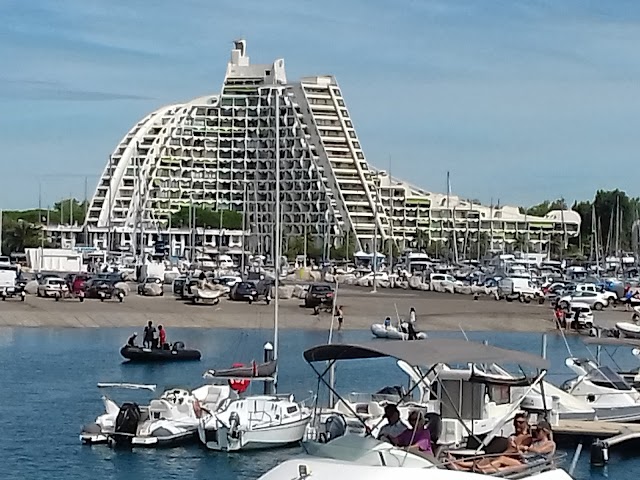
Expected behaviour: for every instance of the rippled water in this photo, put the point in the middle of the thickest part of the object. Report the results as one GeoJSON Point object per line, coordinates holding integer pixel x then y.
{"type": "Point", "coordinates": [48, 383]}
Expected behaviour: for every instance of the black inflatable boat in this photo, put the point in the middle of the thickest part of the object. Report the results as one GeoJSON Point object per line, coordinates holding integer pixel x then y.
{"type": "Point", "coordinates": [177, 353]}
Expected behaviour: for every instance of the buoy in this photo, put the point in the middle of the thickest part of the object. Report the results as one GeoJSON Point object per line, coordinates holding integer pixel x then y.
{"type": "Point", "coordinates": [599, 453]}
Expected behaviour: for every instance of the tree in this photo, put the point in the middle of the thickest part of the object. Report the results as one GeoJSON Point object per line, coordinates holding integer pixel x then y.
{"type": "Point", "coordinates": [346, 247]}
{"type": "Point", "coordinates": [541, 209]}
{"type": "Point", "coordinates": [205, 217]}
{"type": "Point", "coordinates": [19, 235]}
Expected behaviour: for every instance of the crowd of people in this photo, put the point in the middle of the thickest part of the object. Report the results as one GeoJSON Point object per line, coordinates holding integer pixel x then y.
{"type": "Point", "coordinates": [152, 338]}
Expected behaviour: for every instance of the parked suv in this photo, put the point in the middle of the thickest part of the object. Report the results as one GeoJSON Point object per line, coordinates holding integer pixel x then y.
{"type": "Point", "coordinates": [319, 294]}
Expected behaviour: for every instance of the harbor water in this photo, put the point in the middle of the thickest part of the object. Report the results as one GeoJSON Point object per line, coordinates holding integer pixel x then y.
{"type": "Point", "coordinates": [48, 382]}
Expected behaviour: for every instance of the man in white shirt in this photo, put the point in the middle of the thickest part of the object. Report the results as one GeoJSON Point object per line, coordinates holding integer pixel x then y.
{"type": "Point", "coordinates": [394, 426]}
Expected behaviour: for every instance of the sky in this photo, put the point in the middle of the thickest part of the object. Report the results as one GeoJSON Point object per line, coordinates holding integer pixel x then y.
{"type": "Point", "coordinates": [520, 100]}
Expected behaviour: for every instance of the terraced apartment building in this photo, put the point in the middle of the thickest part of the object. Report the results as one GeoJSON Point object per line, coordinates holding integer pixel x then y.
{"type": "Point", "coordinates": [220, 151]}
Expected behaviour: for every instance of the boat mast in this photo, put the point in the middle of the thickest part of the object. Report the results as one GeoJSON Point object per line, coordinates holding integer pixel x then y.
{"type": "Point", "coordinates": [276, 303]}
{"type": "Point", "coordinates": [244, 228]}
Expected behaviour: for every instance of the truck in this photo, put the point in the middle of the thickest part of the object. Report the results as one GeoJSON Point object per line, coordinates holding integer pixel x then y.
{"type": "Point", "coordinates": [516, 288]}
{"type": "Point", "coordinates": [8, 275]}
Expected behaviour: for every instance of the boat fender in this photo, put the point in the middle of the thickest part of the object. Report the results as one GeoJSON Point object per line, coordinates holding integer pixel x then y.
{"type": "Point", "coordinates": [599, 453]}
{"type": "Point", "coordinates": [197, 408]}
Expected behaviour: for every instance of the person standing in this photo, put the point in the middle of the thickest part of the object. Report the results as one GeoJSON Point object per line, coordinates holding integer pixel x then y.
{"type": "Point", "coordinates": [412, 316]}
{"type": "Point", "coordinates": [340, 315]}
{"type": "Point", "coordinates": [162, 333]}
{"type": "Point", "coordinates": [149, 333]}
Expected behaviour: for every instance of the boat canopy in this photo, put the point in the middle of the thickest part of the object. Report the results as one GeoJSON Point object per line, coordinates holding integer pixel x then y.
{"type": "Point", "coordinates": [426, 352]}
{"type": "Point", "coordinates": [264, 371]}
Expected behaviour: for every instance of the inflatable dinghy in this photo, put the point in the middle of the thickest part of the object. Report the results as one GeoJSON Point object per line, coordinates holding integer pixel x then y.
{"type": "Point", "coordinates": [140, 354]}
{"type": "Point", "coordinates": [392, 333]}
{"type": "Point", "coordinates": [629, 330]}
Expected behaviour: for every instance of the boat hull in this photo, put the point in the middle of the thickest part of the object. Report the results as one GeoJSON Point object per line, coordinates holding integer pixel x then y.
{"type": "Point", "coordinates": [629, 330]}
{"type": "Point", "coordinates": [137, 354]}
{"type": "Point", "coordinates": [260, 438]}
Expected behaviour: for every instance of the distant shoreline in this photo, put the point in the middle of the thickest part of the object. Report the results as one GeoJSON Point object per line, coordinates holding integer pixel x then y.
{"type": "Point", "coordinates": [436, 312]}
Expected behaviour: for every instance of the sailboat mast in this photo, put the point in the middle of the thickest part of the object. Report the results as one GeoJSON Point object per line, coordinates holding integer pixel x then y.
{"type": "Point", "coordinates": [277, 236]}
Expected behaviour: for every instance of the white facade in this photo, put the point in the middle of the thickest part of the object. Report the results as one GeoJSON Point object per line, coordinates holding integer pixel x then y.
{"type": "Point", "coordinates": [219, 151]}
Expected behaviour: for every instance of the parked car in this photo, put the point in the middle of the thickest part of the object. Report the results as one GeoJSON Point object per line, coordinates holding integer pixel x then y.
{"type": "Point", "coordinates": [177, 287]}
{"type": "Point", "coordinates": [597, 301]}
{"type": "Point", "coordinates": [52, 287]}
{"type": "Point", "coordinates": [584, 313]}
{"type": "Point", "coordinates": [243, 291]}
{"type": "Point", "coordinates": [319, 294]}
{"type": "Point", "coordinates": [592, 287]}
{"type": "Point", "coordinates": [150, 281]}
{"type": "Point", "coordinates": [103, 288]}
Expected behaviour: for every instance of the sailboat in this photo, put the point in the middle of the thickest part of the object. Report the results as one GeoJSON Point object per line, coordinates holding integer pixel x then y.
{"type": "Point", "coordinates": [258, 421]}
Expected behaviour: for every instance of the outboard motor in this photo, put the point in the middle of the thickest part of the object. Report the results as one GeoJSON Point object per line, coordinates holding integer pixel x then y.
{"type": "Point", "coordinates": [127, 423]}
{"type": "Point", "coordinates": [335, 427]}
{"type": "Point", "coordinates": [178, 346]}
{"type": "Point", "coordinates": [394, 390]}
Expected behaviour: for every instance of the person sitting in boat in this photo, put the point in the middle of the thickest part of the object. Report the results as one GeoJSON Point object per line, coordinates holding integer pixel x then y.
{"type": "Point", "coordinates": [387, 323]}
{"type": "Point", "coordinates": [131, 342]}
{"type": "Point", "coordinates": [162, 333]}
{"type": "Point", "coordinates": [417, 437]}
{"type": "Point", "coordinates": [149, 332]}
{"type": "Point", "coordinates": [500, 445]}
{"type": "Point", "coordinates": [394, 427]}
{"type": "Point", "coordinates": [542, 447]}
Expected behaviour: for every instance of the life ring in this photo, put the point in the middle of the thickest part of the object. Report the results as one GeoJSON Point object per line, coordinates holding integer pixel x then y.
{"type": "Point", "coordinates": [240, 385]}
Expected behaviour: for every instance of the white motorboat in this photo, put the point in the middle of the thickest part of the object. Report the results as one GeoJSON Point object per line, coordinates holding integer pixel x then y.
{"type": "Point", "coordinates": [392, 332]}
{"type": "Point", "coordinates": [208, 293]}
{"type": "Point", "coordinates": [605, 390]}
{"type": "Point", "coordinates": [628, 329]}
{"type": "Point", "coordinates": [168, 421]}
{"type": "Point", "coordinates": [461, 404]}
{"type": "Point", "coordinates": [255, 422]}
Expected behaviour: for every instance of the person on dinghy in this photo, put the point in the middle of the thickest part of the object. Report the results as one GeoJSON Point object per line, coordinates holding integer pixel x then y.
{"type": "Point", "coordinates": [131, 342]}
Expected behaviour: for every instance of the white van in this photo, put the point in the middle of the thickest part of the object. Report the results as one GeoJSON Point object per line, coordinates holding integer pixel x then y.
{"type": "Point", "coordinates": [445, 278]}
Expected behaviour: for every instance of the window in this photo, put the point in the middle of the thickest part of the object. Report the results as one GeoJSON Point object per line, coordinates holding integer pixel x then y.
{"type": "Point", "coordinates": [360, 155]}
{"type": "Point", "coordinates": [344, 113]}
{"type": "Point", "coordinates": [348, 123]}
{"type": "Point", "coordinates": [341, 103]}
{"type": "Point", "coordinates": [352, 134]}
{"type": "Point", "coordinates": [356, 145]}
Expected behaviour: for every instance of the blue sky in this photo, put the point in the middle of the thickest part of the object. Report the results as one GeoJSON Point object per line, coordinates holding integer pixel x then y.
{"type": "Point", "coordinates": [520, 100]}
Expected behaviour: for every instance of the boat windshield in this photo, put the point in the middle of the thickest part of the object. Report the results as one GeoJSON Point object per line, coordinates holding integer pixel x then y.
{"type": "Point", "coordinates": [605, 377]}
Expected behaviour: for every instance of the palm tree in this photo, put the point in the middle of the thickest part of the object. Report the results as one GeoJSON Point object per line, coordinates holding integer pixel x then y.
{"type": "Point", "coordinates": [21, 235]}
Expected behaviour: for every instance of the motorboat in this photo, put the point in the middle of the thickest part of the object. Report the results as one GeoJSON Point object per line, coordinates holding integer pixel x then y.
{"type": "Point", "coordinates": [631, 376]}
{"type": "Point", "coordinates": [462, 403]}
{"type": "Point", "coordinates": [359, 458]}
{"type": "Point", "coordinates": [628, 329]}
{"type": "Point", "coordinates": [391, 332]}
{"type": "Point", "coordinates": [355, 457]}
{"type": "Point", "coordinates": [208, 292]}
{"type": "Point", "coordinates": [256, 421]}
{"type": "Point", "coordinates": [608, 393]}
{"type": "Point", "coordinates": [169, 420]}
